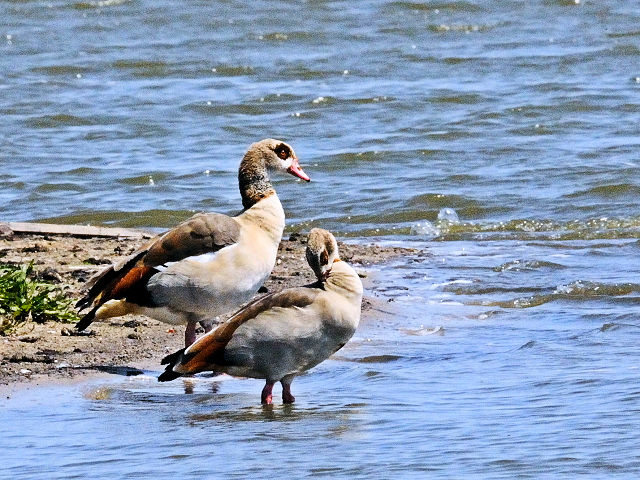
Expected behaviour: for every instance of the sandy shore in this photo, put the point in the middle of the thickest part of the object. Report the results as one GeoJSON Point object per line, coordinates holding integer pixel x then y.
{"type": "Point", "coordinates": [38, 353]}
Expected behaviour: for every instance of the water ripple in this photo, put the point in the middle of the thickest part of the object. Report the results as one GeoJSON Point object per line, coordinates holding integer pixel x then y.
{"type": "Point", "coordinates": [580, 291]}
{"type": "Point", "coordinates": [436, 6]}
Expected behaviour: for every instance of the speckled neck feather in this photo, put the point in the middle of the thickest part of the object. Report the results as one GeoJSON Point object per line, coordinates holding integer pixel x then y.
{"type": "Point", "coordinates": [253, 179]}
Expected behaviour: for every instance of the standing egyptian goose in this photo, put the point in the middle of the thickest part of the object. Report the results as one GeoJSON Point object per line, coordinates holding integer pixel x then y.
{"type": "Point", "coordinates": [208, 265]}
{"type": "Point", "coordinates": [282, 334]}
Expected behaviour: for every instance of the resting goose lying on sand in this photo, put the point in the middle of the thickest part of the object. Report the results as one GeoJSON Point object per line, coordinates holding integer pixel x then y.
{"type": "Point", "coordinates": [282, 334]}
{"type": "Point", "coordinates": [208, 265]}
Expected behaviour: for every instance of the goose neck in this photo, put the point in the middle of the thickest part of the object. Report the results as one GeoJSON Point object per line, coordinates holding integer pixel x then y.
{"type": "Point", "coordinates": [253, 180]}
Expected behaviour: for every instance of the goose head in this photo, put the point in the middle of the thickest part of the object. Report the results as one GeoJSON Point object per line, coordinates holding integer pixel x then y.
{"type": "Point", "coordinates": [263, 157]}
{"type": "Point", "coordinates": [322, 251]}
{"type": "Point", "coordinates": [278, 156]}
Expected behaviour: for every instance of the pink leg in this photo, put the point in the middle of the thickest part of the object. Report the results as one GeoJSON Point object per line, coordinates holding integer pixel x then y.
{"type": "Point", "coordinates": [190, 334]}
{"type": "Point", "coordinates": [287, 397]}
{"type": "Point", "coordinates": [267, 395]}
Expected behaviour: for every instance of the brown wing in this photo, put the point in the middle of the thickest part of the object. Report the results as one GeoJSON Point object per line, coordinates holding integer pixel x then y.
{"type": "Point", "coordinates": [202, 233]}
{"type": "Point", "coordinates": [208, 350]}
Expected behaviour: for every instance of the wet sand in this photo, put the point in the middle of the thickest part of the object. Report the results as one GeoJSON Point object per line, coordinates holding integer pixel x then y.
{"type": "Point", "coordinates": [54, 351]}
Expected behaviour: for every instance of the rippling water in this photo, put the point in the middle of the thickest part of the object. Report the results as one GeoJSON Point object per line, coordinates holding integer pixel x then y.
{"type": "Point", "coordinates": [500, 136]}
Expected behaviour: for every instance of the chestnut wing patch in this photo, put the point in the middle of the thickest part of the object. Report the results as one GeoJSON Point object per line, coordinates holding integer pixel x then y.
{"type": "Point", "coordinates": [108, 278]}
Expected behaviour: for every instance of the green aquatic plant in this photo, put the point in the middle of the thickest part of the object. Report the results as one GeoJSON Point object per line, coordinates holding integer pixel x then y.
{"type": "Point", "coordinates": [24, 298]}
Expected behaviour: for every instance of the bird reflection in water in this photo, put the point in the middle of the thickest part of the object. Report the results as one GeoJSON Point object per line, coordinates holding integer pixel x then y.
{"type": "Point", "coordinates": [189, 386]}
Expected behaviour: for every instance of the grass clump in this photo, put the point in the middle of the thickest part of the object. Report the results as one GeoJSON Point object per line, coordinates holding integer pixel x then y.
{"type": "Point", "coordinates": [23, 298]}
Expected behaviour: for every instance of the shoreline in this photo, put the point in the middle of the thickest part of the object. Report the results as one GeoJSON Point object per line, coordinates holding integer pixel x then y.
{"type": "Point", "coordinates": [54, 352]}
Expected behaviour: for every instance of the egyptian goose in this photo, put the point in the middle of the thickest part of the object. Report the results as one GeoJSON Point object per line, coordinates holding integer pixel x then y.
{"type": "Point", "coordinates": [208, 265]}
{"type": "Point", "coordinates": [282, 334]}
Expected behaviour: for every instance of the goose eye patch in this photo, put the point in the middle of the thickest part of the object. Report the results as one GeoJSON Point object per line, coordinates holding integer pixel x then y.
{"type": "Point", "coordinates": [282, 151]}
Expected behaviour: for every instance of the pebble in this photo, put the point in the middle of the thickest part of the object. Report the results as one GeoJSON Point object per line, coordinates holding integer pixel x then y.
{"type": "Point", "coordinates": [29, 338]}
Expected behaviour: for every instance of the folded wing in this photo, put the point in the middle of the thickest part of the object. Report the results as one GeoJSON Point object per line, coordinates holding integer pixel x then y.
{"type": "Point", "coordinates": [203, 233]}
{"type": "Point", "coordinates": [208, 351]}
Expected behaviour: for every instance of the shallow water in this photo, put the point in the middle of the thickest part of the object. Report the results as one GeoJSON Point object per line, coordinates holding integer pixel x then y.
{"type": "Point", "coordinates": [500, 136]}
{"type": "Point", "coordinates": [455, 375]}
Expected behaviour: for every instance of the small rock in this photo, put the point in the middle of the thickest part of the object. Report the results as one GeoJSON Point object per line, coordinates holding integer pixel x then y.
{"type": "Point", "coordinates": [66, 332]}
{"type": "Point", "coordinates": [96, 261]}
{"type": "Point", "coordinates": [45, 358]}
{"type": "Point", "coordinates": [29, 338]}
{"type": "Point", "coordinates": [72, 332]}
{"type": "Point", "coordinates": [6, 232]}
{"type": "Point", "coordinates": [81, 275]}
{"type": "Point", "coordinates": [36, 247]}
{"type": "Point", "coordinates": [346, 256]}
{"type": "Point", "coordinates": [50, 274]}
{"type": "Point", "coordinates": [134, 336]}
{"type": "Point", "coordinates": [25, 371]}
{"type": "Point", "coordinates": [131, 324]}
{"type": "Point", "coordinates": [17, 358]}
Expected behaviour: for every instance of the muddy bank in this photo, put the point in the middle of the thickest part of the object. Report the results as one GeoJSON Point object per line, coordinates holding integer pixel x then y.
{"type": "Point", "coordinates": [37, 352]}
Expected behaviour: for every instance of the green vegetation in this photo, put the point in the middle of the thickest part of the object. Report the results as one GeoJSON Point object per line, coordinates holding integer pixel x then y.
{"type": "Point", "coordinates": [24, 298]}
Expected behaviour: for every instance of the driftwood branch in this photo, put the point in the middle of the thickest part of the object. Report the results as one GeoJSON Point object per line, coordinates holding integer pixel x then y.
{"type": "Point", "coordinates": [71, 230]}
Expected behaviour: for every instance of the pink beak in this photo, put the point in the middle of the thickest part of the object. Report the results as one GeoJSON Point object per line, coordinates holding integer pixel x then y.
{"type": "Point", "coordinates": [296, 171]}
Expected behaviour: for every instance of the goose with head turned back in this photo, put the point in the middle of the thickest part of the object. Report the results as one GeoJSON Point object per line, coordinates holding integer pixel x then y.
{"type": "Point", "coordinates": [208, 265]}
{"type": "Point", "coordinates": [282, 334]}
